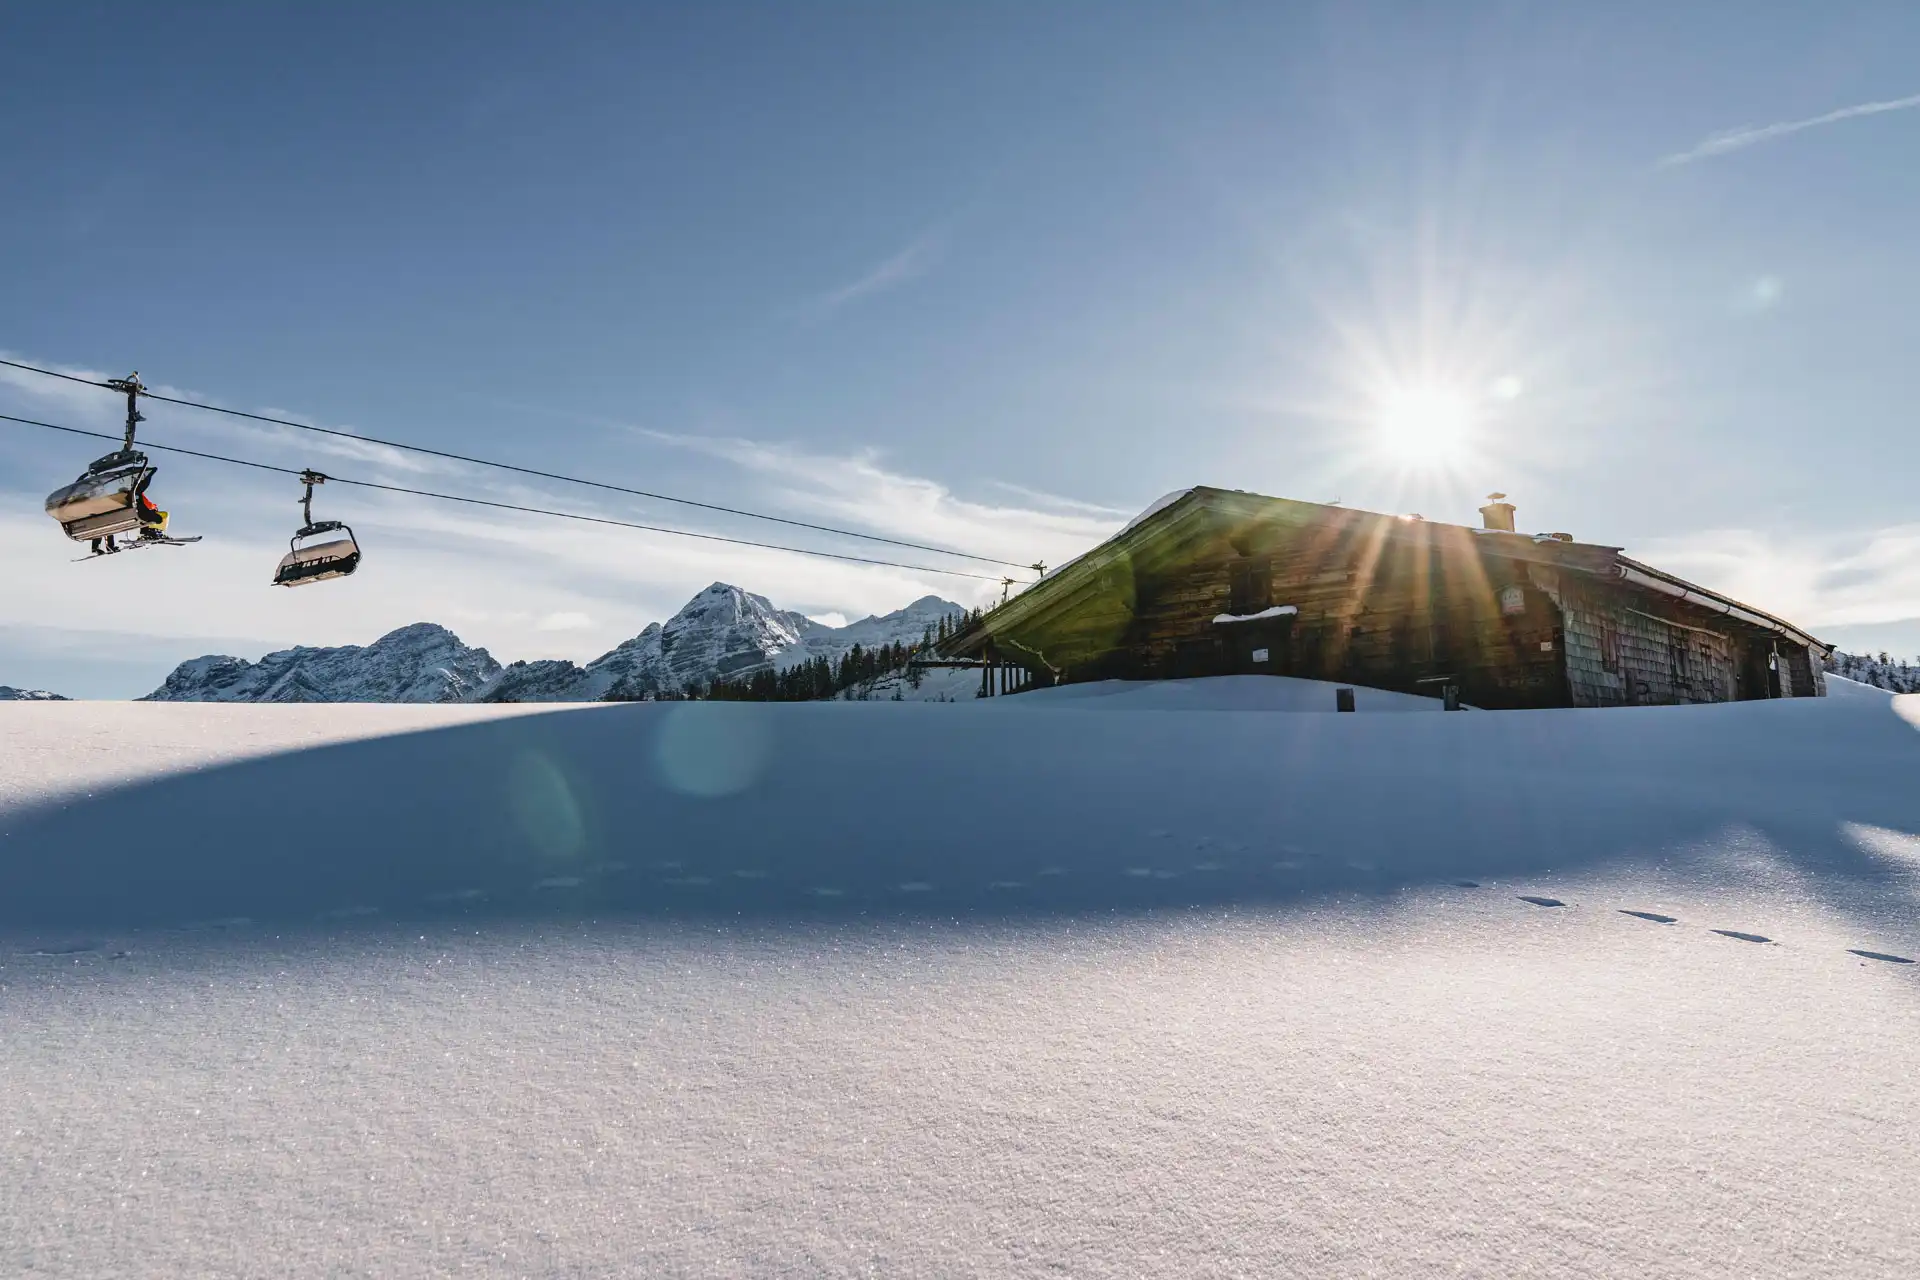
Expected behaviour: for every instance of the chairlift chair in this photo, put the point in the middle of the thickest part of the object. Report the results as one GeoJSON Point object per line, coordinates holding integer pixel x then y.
{"type": "Point", "coordinates": [105, 500]}
{"type": "Point", "coordinates": [316, 561]}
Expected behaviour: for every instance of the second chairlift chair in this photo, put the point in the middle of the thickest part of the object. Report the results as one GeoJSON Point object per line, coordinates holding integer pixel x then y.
{"type": "Point", "coordinates": [316, 561]}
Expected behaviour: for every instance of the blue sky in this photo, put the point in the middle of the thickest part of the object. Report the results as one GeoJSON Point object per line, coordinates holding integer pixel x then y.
{"type": "Point", "coordinates": [989, 275]}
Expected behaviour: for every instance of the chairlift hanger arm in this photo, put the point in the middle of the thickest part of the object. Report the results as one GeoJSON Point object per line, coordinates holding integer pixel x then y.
{"type": "Point", "coordinates": [134, 389]}
{"type": "Point", "coordinates": [311, 478]}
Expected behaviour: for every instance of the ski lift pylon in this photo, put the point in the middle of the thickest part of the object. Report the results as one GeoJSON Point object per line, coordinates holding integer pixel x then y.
{"type": "Point", "coordinates": [316, 561]}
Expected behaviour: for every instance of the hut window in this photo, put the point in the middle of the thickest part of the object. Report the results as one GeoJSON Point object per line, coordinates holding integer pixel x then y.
{"type": "Point", "coordinates": [1682, 656]}
{"type": "Point", "coordinates": [1249, 585]}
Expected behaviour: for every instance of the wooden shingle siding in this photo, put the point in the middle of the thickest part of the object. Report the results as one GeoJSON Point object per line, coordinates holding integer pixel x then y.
{"type": "Point", "coordinates": [1621, 652]}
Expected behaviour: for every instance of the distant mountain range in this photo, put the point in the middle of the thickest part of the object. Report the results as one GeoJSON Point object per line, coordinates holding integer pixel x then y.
{"type": "Point", "coordinates": [723, 631]}
{"type": "Point", "coordinates": [10, 694]}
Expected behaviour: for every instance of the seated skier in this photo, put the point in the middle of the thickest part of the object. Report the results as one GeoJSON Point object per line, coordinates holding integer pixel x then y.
{"type": "Point", "coordinates": [153, 521]}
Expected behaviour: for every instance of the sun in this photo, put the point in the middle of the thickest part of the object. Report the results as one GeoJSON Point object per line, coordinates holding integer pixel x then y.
{"type": "Point", "coordinates": [1422, 426]}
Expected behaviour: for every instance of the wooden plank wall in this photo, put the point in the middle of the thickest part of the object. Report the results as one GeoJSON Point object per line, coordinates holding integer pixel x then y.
{"type": "Point", "coordinates": [1394, 615]}
{"type": "Point", "coordinates": [1400, 612]}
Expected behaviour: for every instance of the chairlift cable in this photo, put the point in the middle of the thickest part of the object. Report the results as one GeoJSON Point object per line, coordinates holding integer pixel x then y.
{"type": "Point", "coordinates": [530, 471]}
{"type": "Point", "coordinates": [507, 506]}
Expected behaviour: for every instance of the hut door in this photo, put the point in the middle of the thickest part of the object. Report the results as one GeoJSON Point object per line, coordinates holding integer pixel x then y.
{"type": "Point", "coordinates": [1196, 658]}
{"type": "Point", "coordinates": [1262, 648]}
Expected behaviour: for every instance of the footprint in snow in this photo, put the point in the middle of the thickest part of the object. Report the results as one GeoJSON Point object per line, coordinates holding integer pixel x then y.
{"type": "Point", "coordinates": [66, 949]}
{"type": "Point", "coordinates": [1654, 916]}
{"type": "Point", "coordinates": [1744, 937]}
{"type": "Point", "coordinates": [1541, 902]}
{"type": "Point", "coordinates": [1879, 955]}
{"type": "Point", "coordinates": [224, 922]}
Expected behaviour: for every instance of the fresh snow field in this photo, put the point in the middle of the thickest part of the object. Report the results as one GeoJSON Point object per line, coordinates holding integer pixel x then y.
{"type": "Point", "coordinates": [1074, 983]}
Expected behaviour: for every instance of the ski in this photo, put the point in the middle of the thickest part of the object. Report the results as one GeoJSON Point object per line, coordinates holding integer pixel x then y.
{"type": "Point", "coordinates": [138, 543]}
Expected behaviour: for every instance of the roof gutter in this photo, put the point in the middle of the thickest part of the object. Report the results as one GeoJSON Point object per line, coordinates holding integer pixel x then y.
{"type": "Point", "coordinates": [1681, 591]}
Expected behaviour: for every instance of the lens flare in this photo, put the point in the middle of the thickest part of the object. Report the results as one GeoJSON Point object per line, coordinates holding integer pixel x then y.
{"type": "Point", "coordinates": [544, 806]}
{"type": "Point", "coordinates": [713, 749]}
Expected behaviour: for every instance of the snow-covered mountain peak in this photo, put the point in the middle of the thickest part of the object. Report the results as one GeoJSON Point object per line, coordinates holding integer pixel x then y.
{"type": "Point", "coordinates": [10, 694]}
{"type": "Point", "coordinates": [423, 662]}
{"type": "Point", "coordinates": [723, 606]}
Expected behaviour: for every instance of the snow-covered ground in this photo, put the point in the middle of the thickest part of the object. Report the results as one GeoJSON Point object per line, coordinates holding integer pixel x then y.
{"type": "Point", "coordinates": [997, 989]}
{"type": "Point", "coordinates": [1220, 693]}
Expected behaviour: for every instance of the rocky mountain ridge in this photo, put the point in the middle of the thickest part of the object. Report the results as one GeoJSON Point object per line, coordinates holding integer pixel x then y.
{"type": "Point", "coordinates": [419, 663]}
{"type": "Point", "coordinates": [722, 631]}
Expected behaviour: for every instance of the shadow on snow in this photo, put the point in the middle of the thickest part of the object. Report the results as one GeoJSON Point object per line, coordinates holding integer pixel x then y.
{"type": "Point", "coordinates": [767, 812]}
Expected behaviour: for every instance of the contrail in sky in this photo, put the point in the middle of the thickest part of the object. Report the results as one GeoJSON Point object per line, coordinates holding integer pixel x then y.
{"type": "Point", "coordinates": [1738, 139]}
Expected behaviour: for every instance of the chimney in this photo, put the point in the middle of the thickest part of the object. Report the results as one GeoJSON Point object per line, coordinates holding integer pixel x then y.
{"type": "Point", "coordinates": [1498, 513]}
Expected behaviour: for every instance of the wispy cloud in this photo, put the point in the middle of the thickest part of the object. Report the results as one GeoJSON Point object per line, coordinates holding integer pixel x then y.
{"type": "Point", "coordinates": [909, 264]}
{"type": "Point", "coordinates": [1848, 577]}
{"type": "Point", "coordinates": [1720, 144]}
{"type": "Point", "coordinates": [1046, 499]}
{"type": "Point", "coordinates": [859, 490]}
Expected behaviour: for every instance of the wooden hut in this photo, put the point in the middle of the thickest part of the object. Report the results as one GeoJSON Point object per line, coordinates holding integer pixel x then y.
{"type": "Point", "coordinates": [1220, 582]}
